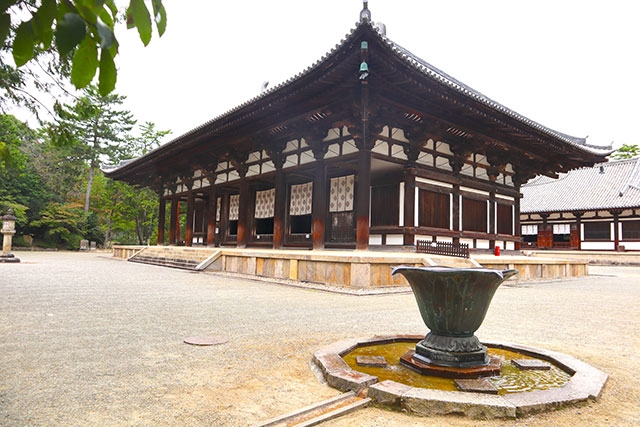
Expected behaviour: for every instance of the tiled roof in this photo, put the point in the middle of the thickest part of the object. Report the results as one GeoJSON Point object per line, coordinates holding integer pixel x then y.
{"type": "Point", "coordinates": [455, 84]}
{"type": "Point", "coordinates": [427, 69]}
{"type": "Point", "coordinates": [612, 185]}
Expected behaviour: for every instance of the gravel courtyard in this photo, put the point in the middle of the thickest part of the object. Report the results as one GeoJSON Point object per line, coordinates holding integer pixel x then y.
{"type": "Point", "coordinates": [88, 340]}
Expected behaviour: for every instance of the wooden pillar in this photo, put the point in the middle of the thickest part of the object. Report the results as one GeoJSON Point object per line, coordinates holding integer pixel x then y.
{"type": "Point", "coordinates": [319, 204]}
{"type": "Point", "coordinates": [162, 208]}
{"type": "Point", "coordinates": [578, 242]}
{"type": "Point", "coordinates": [279, 209]}
{"type": "Point", "coordinates": [211, 216]}
{"type": "Point", "coordinates": [517, 228]}
{"type": "Point", "coordinates": [543, 233]}
{"type": "Point", "coordinates": [174, 225]}
{"type": "Point", "coordinates": [409, 206]}
{"type": "Point", "coordinates": [492, 220]}
{"type": "Point", "coordinates": [188, 239]}
{"type": "Point", "coordinates": [363, 199]}
{"type": "Point", "coordinates": [243, 231]}
{"type": "Point", "coordinates": [616, 230]}
{"type": "Point", "coordinates": [455, 212]}
{"type": "Point", "coordinates": [223, 224]}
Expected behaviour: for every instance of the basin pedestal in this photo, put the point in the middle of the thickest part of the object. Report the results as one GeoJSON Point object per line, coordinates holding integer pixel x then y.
{"type": "Point", "coordinates": [453, 303]}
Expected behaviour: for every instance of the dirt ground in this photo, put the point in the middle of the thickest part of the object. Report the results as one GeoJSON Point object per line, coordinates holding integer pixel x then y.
{"type": "Point", "coordinates": [92, 341]}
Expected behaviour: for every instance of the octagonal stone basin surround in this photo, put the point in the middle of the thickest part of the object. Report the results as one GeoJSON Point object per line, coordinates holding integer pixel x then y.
{"type": "Point", "coordinates": [585, 385]}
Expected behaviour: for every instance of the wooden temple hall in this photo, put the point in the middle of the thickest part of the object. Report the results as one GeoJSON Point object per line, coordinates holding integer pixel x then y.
{"type": "Point", "coordinates": [370, 147]}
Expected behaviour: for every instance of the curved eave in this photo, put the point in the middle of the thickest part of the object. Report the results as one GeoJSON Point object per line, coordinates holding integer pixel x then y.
{"type": "Point", "coordinates": [233, 119]}
{"type": "Point", "coordinates": [450, 82]}
{"type": "Point", "coordinates": [237, 114]}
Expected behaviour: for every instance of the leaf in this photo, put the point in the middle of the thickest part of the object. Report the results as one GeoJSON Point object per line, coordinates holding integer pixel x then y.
{"type": "Point", "coordinates": [106, 34]}
{"type": "Point", "coordinates": [23, 43]}
{"type": "Point", "coordinates": [108, 73]}
{"type": "Point", "coordinates": [5, 23]}
{"type": "Point", "coordinates": [160, 16]}
{"type": "Point", "coordinates": [70, 32]}
{"type": "Point", "coordinates": [106, 17]}
{"type": "Point", "coordinates": [138, 14]}
{"type": "Point", "coordinates": [6, 4]}
{"type": "Point", "coordinates": [85, 63]}
{"type": "Point", "coordinates": [42, 22]}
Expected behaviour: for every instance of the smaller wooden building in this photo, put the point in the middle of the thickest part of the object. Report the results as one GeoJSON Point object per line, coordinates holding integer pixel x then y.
{"type": "Point", "coordinates": [596, 208]}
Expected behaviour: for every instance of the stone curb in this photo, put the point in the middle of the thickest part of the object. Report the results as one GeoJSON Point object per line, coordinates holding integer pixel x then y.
{"type": "Point", "coordinates": [585, 384]}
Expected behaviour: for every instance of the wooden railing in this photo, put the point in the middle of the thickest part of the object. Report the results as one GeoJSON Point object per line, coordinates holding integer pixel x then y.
{"type": "Point", "coordinates": [443, 248]}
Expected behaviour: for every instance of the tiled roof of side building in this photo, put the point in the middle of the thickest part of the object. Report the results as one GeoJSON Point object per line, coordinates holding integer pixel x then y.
{"type": "Point", "coordinates": [611, 185]}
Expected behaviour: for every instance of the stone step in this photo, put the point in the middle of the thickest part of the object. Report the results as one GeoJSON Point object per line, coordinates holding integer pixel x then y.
{"type": "Point", "coordinates": [320, 412]}
{"type": "Point", "coordinates": [166, 262]}
{"type": "Point", "coordinates": [185, 258]}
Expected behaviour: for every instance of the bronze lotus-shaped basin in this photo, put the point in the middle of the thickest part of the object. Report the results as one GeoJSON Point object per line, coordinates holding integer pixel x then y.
{"type": "Point", "coordinates": [453, 303]}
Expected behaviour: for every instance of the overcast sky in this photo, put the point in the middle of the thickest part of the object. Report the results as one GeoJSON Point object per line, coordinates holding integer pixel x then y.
{"type": "Point", "coordinates": [570, 65]}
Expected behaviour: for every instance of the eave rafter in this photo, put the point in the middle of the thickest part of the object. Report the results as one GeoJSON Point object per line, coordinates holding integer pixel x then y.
{"type": "Point", "coordinates": [432, 99]}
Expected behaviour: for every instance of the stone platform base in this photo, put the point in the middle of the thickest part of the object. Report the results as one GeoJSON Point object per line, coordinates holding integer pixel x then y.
{"type": "Point", "coordinates": [359, 270]}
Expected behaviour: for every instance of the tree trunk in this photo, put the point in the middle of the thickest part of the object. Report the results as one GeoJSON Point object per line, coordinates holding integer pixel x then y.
{"type": "Point", "coordinates": [87, 196]}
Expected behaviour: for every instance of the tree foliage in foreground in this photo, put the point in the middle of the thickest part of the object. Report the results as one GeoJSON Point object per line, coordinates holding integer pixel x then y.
{"type": "Point", "coordinates": [81, 32]}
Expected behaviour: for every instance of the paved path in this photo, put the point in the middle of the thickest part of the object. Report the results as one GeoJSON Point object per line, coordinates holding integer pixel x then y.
{"type": "Point", "coordinates": [92, 341]}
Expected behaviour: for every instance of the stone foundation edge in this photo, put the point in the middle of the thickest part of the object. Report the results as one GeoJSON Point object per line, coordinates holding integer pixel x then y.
{"type": "Point", "coordinates": [585, 385]}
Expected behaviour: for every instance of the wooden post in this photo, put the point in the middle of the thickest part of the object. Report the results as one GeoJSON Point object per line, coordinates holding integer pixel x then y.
{"type": "Point", "coordinates": [517, 229]}
{"type": "Point", "coordinates": [492, 220]}
{"type": "Point", "coordinates": [211, 216]}
{"type": "Point", "coordinates": [578, 241]}
{"type": "Point", "coordinates": [162, 208]}
{"type": "Point", "coordinates": [243, 231]}
{"type": "Point", "coordinates": [455, 212]}
{"type": "Point", "coordinates": [409, 205]}
{"type": "Point", "coordinates": [319, 204]}
{"type": "Point", "coordinates": [616, 231]}
{"type": "Point", "coordinates": [188, 238]}
{"type": "Point", "coordinates": [363, 199]}
{"type": "Point", "coordinates": [543, 234]}
{"type": "Point", "coordinates": [174, 225]}
{"type": "Point", "coordinates": [279, 209]}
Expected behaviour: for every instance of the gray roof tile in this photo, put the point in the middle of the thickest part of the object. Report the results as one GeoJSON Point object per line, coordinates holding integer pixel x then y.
{"type": "Point", "coordinates": [611, 185]}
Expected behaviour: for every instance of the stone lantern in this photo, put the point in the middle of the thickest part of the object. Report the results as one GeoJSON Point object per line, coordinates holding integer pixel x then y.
{"type": "Point", "coordinates": [8, 230]}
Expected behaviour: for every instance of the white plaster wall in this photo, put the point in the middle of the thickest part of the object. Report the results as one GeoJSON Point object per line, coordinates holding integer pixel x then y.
{"type": "Point", "coordinates": [395, 239]}
{"type": "Point", "coordinates": [597, 246]}
{"type": "Point", "coordinates": [482, 244]}
{"type": "Point", "coordinates": [631, 246]}
{"type": "Point", "coordinates": [375, 239]}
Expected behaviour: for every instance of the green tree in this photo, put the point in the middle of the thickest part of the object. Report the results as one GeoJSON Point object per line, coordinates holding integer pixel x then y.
{"type": "Point", "coordinates": [20, 186]}
{"type": "Point", "coordinates": [626, 152]}
{"type": "Point", "coordinates": [96, 129]}
{"type": "Point", "coordinates": [80, 32]}
{"type": "Point", "coordinates": [13, 134]}
{"type": "Point", "coordinates": [127, 213]}
{"type": "Point", "coordinates": [149, 139]}
{"type": "Point", "coordinates": [60, 169]}
{"type": "Point", "coordinates": [62, 224]}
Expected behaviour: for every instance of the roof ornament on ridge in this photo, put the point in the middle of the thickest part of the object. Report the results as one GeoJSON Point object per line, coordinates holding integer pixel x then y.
{"type": "Point", "coordinates": [365, 13]}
